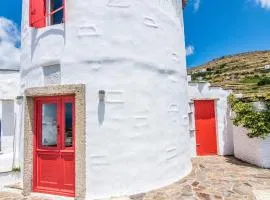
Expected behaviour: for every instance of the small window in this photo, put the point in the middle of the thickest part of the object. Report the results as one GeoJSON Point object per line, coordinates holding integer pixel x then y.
{"type": "Point", "coordinates": [46, 12]}
{"type": "Point", "coordinates": [56, 12]}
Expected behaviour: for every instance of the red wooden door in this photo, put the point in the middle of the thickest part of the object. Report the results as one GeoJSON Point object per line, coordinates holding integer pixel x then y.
{"type": "Point", "coordinates": [54, 146]}
{"type": "Point", "coordinates": [205, 123]}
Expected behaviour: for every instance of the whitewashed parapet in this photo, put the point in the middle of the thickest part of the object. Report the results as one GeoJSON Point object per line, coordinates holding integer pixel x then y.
{"type": "Point", "coordinates": [251, 150]}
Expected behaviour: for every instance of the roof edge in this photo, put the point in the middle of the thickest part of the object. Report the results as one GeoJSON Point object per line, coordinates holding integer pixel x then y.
{"type": "Point", "coordinates": [9, 70]}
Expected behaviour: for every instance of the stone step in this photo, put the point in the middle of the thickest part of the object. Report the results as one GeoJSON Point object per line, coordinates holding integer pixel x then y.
{"type": "Point", "coordinates": [8, 178]}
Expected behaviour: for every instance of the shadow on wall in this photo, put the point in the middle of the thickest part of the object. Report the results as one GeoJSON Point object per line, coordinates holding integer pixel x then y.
{"type": "Point", "coordinates": [200, 87]}
{"type": "Point", "coordinates": [52, 74]}
{"type": "Point", "coordinates": [228, 133]}
{"type": "Point", "coordinates": [101, 112]}
{"type": "Point", "coordinates": [236, 161]}
{"type": "Point", "coordinates": [35, 40]}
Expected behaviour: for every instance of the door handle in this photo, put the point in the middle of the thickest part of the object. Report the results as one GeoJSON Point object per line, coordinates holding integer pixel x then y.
{"type": "Point", "coordinates": [198, 145]}
{"type": "Point", "coordinates": [58, 129]}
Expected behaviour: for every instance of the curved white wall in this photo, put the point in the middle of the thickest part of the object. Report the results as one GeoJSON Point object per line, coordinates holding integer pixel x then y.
{"type": "Point", "coordinates": [134, 50]}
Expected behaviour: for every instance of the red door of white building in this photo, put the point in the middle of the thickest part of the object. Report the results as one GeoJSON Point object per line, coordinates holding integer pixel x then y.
{"type": "Point", "coordinates": [205, 123]}
{"type": "Point", "coordinates": [54, 146]}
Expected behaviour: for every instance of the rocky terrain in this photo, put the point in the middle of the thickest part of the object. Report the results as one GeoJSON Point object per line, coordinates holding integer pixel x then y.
{"type": "Point", "coordinates": [246, 73]}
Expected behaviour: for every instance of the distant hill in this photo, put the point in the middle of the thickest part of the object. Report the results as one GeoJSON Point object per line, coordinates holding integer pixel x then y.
{"type": "Point", "coordinates": [246, 73]}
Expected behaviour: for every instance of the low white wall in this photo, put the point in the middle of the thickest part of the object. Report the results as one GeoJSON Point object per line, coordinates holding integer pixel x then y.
{"type": "Point", "coordinates": [6, 160]}
{"type": "Point", "coordinates": [197, 91]}
{"type": "Point", "coordinates": [9, 178]}
{"type": "Point", "coordinates": [252, 150]}
{"type": "Point", "coordinates": [265, 150]}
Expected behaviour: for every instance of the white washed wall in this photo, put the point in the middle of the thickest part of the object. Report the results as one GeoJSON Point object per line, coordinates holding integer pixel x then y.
{"type": "Point", "coordinates": [9, 84]}
{"type": "Point", "coordinates": [134, 50]}
{"type": "Point", "coordinates": [9, 178]}
{"type": "Point", "coordinates": [7, 135]}
{"type": "Point", "coordinates": [9, 87]}
{"type": "Point", "coordinates": [199, 91]}
{"type": "Point", "coordinates": [252, 150]}
{"type": "Point", "coordinates": [7, 126]}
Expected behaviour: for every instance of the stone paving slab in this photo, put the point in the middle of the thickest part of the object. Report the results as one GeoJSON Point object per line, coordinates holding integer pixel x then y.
{"type": "Point", "coordinates": [213, 177]}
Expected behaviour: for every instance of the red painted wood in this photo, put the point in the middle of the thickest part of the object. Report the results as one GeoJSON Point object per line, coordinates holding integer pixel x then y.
{"type": "Point", "coordinates": [205, 123]}
{"type": "Point", "coordinates": [37, 13]}
{"type": "Point", "coordinates": [54, 167]}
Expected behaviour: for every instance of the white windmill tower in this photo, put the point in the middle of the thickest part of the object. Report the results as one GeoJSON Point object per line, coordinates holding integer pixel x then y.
{"type": "Point", "coordinates": [106, 104]}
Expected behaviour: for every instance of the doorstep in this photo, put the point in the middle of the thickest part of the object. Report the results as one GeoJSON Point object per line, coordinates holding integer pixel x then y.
{"type": "Point", "coordinates": [35, 195]}
{"type": "Point", "coordinates": [117, 198]}
{"type": "Point", "coordinates": [15, 193]}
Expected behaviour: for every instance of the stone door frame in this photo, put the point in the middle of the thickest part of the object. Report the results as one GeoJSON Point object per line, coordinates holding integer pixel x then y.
{"type": "Point", "coordinates": [78, 91]}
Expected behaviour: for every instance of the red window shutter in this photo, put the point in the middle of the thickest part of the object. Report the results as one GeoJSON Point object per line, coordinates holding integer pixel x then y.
{"type": "Point", "coordinates": [37, 13]}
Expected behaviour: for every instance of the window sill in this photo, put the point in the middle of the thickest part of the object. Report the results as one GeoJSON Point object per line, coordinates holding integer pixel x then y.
{"type": "Point", "coordinates": [59, 26]}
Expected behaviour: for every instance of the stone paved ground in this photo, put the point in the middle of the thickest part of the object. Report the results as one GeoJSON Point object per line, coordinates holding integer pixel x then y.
{"type": "Point", "coordinates": [212, 178]}
{"type": "Point", "coordinates": [215, 177]}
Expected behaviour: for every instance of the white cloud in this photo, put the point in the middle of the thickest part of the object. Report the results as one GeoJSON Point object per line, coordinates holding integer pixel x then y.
{"type": "Point", "coordinates": [264, 3]}
{"type": "Point", "coordinates": [196, 5]}
{"type": "Point", "coordinates": [9, 37]}
{"type": "Point", "coordinates": [190, 50]}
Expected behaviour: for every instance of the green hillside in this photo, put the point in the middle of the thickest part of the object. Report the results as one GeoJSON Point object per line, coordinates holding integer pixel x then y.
{"type": "Point", "coordinates": [247, 73]}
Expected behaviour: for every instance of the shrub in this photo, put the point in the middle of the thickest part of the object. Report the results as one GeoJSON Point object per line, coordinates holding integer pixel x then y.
{"type": "Point", "coordinates": [195, 76]}
{"type": "Point", "coordinates": [222, 65]}
{"type": "Point", "coordinates": [251, 79]}
{"type": "Point", "coordinates": [16, 169]}
{"type": "Point", "coordinates": [264, 81]}
{"type": "Point", "coordinates": [256, 122]}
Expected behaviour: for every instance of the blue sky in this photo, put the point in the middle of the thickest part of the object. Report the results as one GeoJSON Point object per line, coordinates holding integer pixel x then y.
{"type": "Point", "coordinates": [213, 28]}
{"type": "Point", "coordinates": [11, 9]}
{"type": "Point", "coordinates": [10, 19]}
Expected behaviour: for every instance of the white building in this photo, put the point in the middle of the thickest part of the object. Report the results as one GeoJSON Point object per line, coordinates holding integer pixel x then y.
{"type": "Point", "coordinates": [106, 103]}
{"type": "Point", "coordinates": [9, 116]}
{"type": "Point", "coordinates": [267, 67]}
{"type": "Point", "coordinates": [211, 127]}
{"type": "Point", "coordinates": [212, 131]}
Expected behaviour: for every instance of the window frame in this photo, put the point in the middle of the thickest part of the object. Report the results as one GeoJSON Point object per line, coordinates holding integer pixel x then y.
{"type": "Point", "coordinates": [48, 15]}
